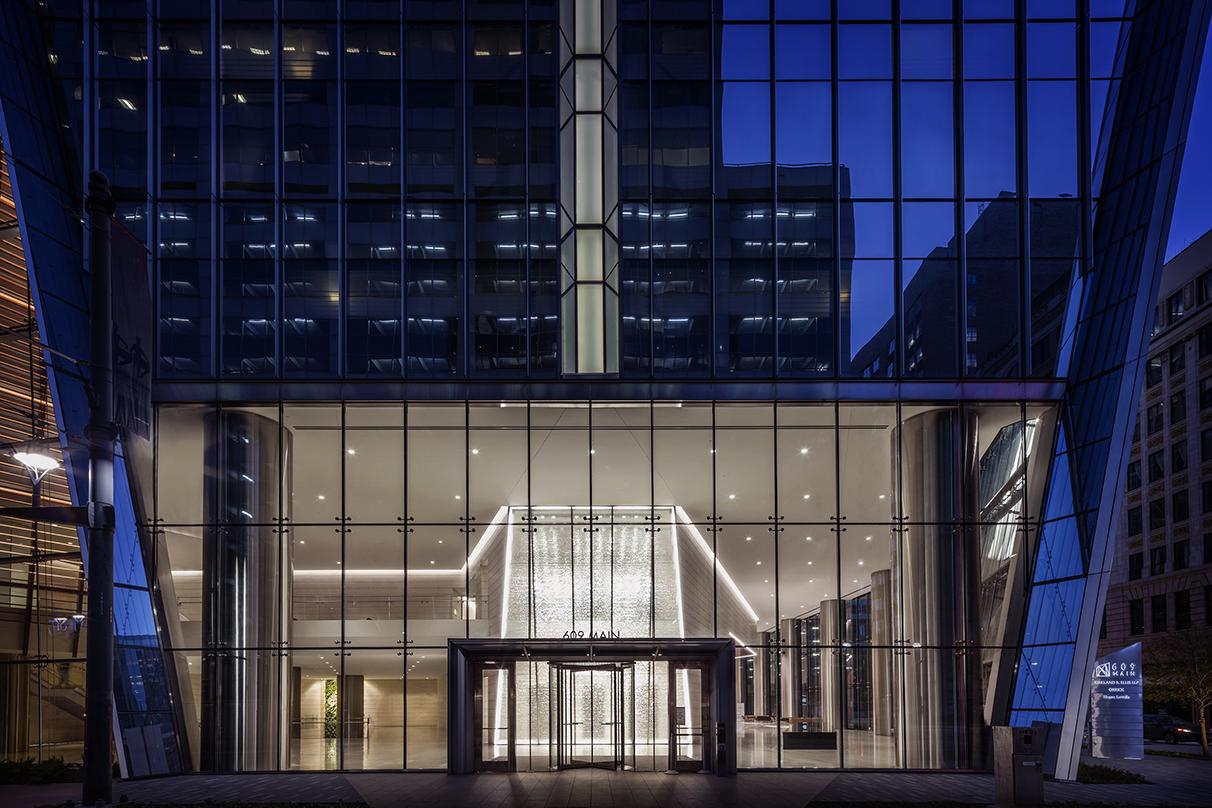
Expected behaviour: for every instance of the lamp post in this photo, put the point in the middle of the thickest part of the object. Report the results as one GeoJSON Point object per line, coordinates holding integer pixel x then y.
{"type": "Point", "coordinates": [99, 653]}
{"type": "Point", "coordinates": [98, 515]}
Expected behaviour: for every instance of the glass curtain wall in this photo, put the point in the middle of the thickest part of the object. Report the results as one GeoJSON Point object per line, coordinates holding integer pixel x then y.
{"type": "Point", "coordinates": [867, 559]}
{"type": "Point", "coordinates": [807, 189]}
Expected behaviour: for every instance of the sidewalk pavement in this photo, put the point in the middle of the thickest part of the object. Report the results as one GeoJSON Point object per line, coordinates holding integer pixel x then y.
{"type": "Point", "coordinates": [1173, 781]}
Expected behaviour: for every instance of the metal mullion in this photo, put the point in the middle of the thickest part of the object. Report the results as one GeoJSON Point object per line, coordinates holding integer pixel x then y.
{"type": "Point", "coordinates": [1024, 201]}
{"type": "Point", "coordinates": [216, 154]}
{"type": "Point", "coordinates": [589, 416]}
{"type": "Point", "coordinates": [835, 641]}
{"type": "Point", "coordinates": [1085, 179]}
{"type": "Point", "coordinates": [284, 650]}
{"type": "Point", "coordinates": [714, 32]}
{"type": "Point", "coordinates": [402, 339]}
{"type": "Point", "coordinates": [652, 526]}
{"type": "Point", "coordinates": [151, 196]}
{"type": "Point", "coordinates": [648, 85]}
{"type": "Point", "coordinates": [778, 624]}
{"type": "Point", "coordinates": [526, 256]}
{"type": "Point", "coordinates": [278, 194]}
{"type": "Point", "coordinates": [960, 193]}
{"type": "Point", "coordinates": [603, 65]}
{"type": "Point", "coordinates": [466, 516]}
{"type": "Point", "coordinates": [715, 530]}
{"type": "Point", "coordinates": [772, 142]}
{"type": "Point", "coordinates": [897, 593]}
{"type": "Point", "coordinates": [343, 532]}
{"type": "Point", "coordinates": [898, 197]}
{"type": "Point", "coordinates": [340, 366]}
{"type": "Point", "coordinates": [531, 625]}
{"type": "Point", "coordinates": [461, 339]}
{"type": "Point", "coordinates": [406, 531]}
{"type": "Point", "coordinates": [835, 263]}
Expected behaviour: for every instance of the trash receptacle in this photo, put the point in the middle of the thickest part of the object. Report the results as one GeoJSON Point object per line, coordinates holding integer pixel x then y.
{"type": "Point", "coordinates": [1018, 765]}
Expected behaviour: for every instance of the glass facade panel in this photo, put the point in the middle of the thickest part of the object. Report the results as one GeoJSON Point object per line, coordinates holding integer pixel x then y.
{"type": "Point", "coordinates": [749, 109]}
{"type": "Point", "coordinates": [628, 519]}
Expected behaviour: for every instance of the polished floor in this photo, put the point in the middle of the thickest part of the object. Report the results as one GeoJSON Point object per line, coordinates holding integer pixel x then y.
{"type": "Point", "coordinates": [757, 748]}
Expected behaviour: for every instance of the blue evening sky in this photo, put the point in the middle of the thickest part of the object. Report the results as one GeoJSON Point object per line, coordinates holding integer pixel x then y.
{"type": "Point", "coordinates": [1193, 206]}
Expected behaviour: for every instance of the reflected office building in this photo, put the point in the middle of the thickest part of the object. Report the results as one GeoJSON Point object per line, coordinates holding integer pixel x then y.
{"type": "Point", "coordinates": [663, 385]}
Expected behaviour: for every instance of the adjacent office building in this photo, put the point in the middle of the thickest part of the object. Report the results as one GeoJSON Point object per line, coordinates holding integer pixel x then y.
{"type": "Point", "coordinates": [663, 384]}
{"type": "Point", "coordinates": [1162, 576]}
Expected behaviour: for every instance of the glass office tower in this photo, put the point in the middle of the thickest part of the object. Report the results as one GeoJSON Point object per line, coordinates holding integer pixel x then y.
{"type": "Point", "coordinates": [647, 384]}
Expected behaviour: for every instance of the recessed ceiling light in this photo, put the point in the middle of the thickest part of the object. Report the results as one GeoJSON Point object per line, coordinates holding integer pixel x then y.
{"type": "Point", "coordinates": [320, 497]}
{"type": "Point", "coordinates": [593, 451]}
{"type": "Point", "coordinates": [749, 538]}
{"type": "Point", "coordinates": [732, 496]}
{"type": "Point", "coordinates": [807, 496]}
{"type": "Point", "coordinates": [301, 541]}
{"type": "Point", "coordinates": [351, 451]}
{"type": "Point", "coordinates": [860, 562]}
{"type": "Point", "coordinates": [868, 538]}
{"type": "Point", "coordinates": [807, 538]}
{"type": "Point", "coordinates": [475, 451]}
{"type": "Point", "coordinates": [458, 496]}
{"type": "Point", "coordinates": [803, 450]}
{"type": "Point", "coordinates": [759, 563]}
{"type": "Point", "coordinates": [856, 580]}
{"type": "Point", "coordinates": [432, 561]}
{"type": "Point", "coordinates": [883, 496]}
{"type": "Point", "coordinates": [440, 541]}
{"type": "Point", "coordinates": [810, 563]}
{"type": "Point", "coordinates": [766, 581]}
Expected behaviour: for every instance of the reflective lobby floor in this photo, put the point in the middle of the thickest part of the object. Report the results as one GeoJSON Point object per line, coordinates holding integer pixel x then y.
{"type": "Point", "coordinates": [757, 748]}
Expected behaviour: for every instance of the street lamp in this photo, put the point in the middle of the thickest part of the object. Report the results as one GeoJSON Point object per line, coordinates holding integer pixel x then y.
{"type": "Point", "coordinates": [36, 458]}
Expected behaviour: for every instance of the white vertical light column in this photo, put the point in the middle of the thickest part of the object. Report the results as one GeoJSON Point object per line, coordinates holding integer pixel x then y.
{"type": "Point", "coordinates": [589, 187]}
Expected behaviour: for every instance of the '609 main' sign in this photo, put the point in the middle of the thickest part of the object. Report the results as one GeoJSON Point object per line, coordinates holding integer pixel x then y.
{"type": "Point", "coordinates": [1116, 722]}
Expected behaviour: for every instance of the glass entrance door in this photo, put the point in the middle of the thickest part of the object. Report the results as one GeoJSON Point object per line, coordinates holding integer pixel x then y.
{"type": "Point", "coordinates": [590, 715]}
{"type": "Point", "coordinates": [688, 717]}
{"type": "Point", "coordinates": [495, 708]}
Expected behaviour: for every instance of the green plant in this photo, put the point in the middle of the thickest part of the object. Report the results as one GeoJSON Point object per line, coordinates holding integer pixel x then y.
{"type": "Point", "coordinates": [330, 708]}
{"type": "Point", "coordinates": [1178, 668]}
{"type": "Point", "coordinates": [1172, 754]}
{"type": "Point", "coordinates": [1094, 773]}
{"type": "Point", "coordinates": [29, 771]}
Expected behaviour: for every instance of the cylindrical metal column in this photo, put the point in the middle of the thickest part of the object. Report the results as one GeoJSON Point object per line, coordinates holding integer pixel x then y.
{"type": "Point", "coordinates": [928, 574]}
{"type": "Point", "coordinates": [883, 704]}
{"type": "Point", "coordinates": [831, 673]}
{"type": "Point", "coordinates": [245, 602]}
